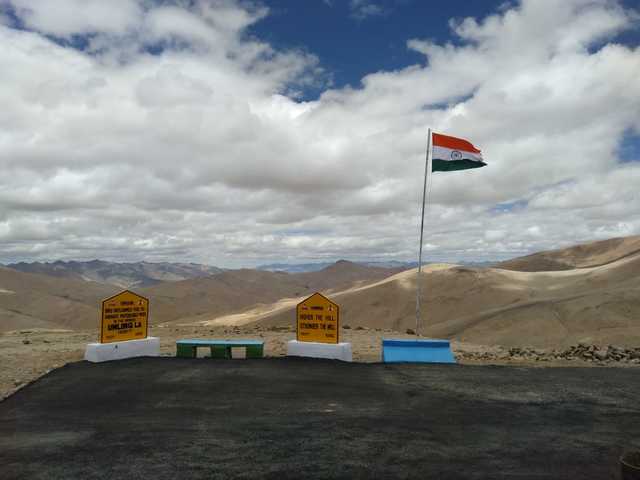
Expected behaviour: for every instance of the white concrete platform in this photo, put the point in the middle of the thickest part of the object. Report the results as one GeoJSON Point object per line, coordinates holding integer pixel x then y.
{"type": "Point", "coordinates": [335, 351]}
{"type": "Point", "coordinates": [103, 352]}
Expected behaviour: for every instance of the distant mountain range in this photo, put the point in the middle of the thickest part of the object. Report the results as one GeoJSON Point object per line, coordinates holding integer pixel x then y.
{"type": "Point", "coordinates": [293, 267]}
{"type": "Point", "coordinates": [147, 274]}
{"type": "Point", "coordinates": [125, 275]}
{"type": "Point", "coordinates": [66, 300]}
{"type": "Point", "coordinates": [315, 267]}
{"type": "Point", "coordinates": [587, 293]}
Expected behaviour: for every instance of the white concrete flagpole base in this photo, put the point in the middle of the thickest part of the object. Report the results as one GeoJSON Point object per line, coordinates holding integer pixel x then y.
{"type": "Point", "coordinates": [334, 351]}
{"type": "Point", "coordinates": [103, 352]}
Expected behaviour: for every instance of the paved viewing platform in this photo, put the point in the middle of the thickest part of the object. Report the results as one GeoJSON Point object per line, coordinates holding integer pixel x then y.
{"type": "Point", "coordinates": [167, 418]}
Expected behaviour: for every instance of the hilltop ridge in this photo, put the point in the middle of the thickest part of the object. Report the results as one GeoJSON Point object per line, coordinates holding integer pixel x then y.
{"type": "Point", "coordinates": [585, 255]}
{"type": "Point", "coordinates": [121, 274]}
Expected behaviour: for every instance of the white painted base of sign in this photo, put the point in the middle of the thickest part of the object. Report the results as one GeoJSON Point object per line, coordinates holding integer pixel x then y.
{"type": "Point", "coordinates": [335, 351]}
{"type": "Point", "coordinates": [103, 352]}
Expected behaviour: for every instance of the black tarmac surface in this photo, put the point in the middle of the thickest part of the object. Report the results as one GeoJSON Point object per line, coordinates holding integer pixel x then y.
{"type": "Point", "coordinates": [166, 418]}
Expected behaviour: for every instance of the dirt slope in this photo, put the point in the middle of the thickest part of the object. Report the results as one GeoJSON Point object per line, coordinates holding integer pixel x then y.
{"type": "Point", "coordinates": [29, 300]}
{"type": "Point", "coordinates": [496, 306]}
{"type": "Point", "coordinates": [581, 256]}
{"type": "Point", "coordinates": [234, 291]}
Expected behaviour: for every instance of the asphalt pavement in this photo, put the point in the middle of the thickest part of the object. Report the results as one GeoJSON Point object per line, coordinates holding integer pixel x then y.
{"type": "Point", "coordinates": [281, 418]}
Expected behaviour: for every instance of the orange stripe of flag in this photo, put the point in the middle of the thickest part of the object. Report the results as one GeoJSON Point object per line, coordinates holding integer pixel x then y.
{"type": "Point", "coordinates": [453, 142]}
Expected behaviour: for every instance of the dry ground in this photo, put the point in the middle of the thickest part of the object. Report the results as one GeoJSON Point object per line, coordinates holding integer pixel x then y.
{"type": "Point", "coordinates": [25, 355]}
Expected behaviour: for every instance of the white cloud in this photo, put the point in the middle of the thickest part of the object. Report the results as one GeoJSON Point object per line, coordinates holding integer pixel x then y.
{"type": "Point", "coordinates": [66, 17]}
{"type": "Point", "coordinates": [362, 9]}
{"type": "Point", "coordinates": [202, 153]}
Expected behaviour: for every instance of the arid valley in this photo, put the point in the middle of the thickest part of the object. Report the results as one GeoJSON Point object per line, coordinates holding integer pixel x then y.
{"type": "Point", "coordinates": [575, 306]}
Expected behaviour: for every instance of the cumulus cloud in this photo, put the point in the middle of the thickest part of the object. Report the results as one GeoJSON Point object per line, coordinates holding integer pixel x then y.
{"type": "Point", "coordinates": [362, 9]}
{"type": "Point", "coordinates": [68, 17]}
{"type": "Point", "coordinates": [170, 134]}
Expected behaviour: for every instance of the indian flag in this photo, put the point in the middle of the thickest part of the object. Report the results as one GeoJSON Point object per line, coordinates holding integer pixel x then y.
{"type": "Point", "coordinates": [452, 153]}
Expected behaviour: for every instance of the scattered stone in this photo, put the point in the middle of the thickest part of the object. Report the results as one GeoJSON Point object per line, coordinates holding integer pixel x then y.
{"type": "Point", "coordinates": [580, 352]}
{"type": "Point", "coordinates": [279, 329]}
{"type": "Point", "coordinates": [346, 327]}
{"type": "Point", "coordinates": [600, 355]}
{"type": "Point", "coordinates": [410, 331]}
{"type": "Point", "coordinates": [359, 327]}
{"type": "Point", "coordinates": [26, 342]}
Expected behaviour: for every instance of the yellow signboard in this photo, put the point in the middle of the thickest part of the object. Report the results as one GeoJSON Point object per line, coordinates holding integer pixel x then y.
{"type": "Point", "coordinates": [317, 320]}
{"type": "Point", "coordinates": [125, 316]}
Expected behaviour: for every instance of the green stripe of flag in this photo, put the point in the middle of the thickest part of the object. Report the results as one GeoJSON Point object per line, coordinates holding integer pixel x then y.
{"type": "Point", "coordinates": [451, 165]}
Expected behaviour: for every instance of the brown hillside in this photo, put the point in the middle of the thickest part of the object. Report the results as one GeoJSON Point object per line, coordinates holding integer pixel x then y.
{"type": "Point", "coordinates": [496, 306]}
{"type": "Point", "coordinates": [594, 304]}
{"type": "Point", "coordinates": [237, 290]}
{"type": "Point", "coordinates": [581, 256]}
{"type": "Point", "coordinates": [29, 300]}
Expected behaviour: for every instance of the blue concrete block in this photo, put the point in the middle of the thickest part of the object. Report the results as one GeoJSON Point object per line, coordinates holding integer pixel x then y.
{"type": "Point", "coordinates": [418, 351]}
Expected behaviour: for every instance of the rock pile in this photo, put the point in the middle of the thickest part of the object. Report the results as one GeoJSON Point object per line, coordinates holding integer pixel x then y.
{"type": "Point", "coordinates": [593, 353]}
{"type": "Point", "coordinates": [581, 352]}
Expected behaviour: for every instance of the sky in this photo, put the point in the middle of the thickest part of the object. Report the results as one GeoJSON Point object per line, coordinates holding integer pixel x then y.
{"type": "Point", "coordinates": [237, 133]}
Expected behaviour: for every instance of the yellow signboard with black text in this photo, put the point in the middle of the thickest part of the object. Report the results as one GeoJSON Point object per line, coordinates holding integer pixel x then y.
{"type": "Point", "coordinates": [317, 320]}
{"type": "Point", "coordinates": [125, 316]}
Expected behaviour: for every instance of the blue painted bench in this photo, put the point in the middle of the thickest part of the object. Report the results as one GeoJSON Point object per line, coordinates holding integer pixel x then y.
{"type": "Point", "coordinates": [419, 351]}
{"type": "Point", "coordinates": [219, 348]}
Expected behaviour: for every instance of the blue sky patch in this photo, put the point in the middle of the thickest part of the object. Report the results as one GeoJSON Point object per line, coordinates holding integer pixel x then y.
{"type": "Point", "coordinates": [629, 148]}
{"type": "Point", "coordinates": [509, 207]}
{"type": "Point", "coordinates": [350, 48]}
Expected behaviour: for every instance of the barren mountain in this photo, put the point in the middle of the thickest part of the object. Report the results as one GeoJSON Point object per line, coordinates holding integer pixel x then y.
{"type": "Point", "coordinates": [125, 275]}
{"type": "Point", "coordinates": [592, 304]}
{"type": "Point", "coordinates": [580, 256]}
{"type": "Point", "coordinates": [236, 290]}
{"type": "Point", "coordinates": [29, 300]}
{"type": "Point", "coordinates": [496, 306]}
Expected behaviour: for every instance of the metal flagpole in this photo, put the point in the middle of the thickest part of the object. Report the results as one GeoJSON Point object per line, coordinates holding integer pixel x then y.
{"type": "Point", "coordinates": [427, 173]}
